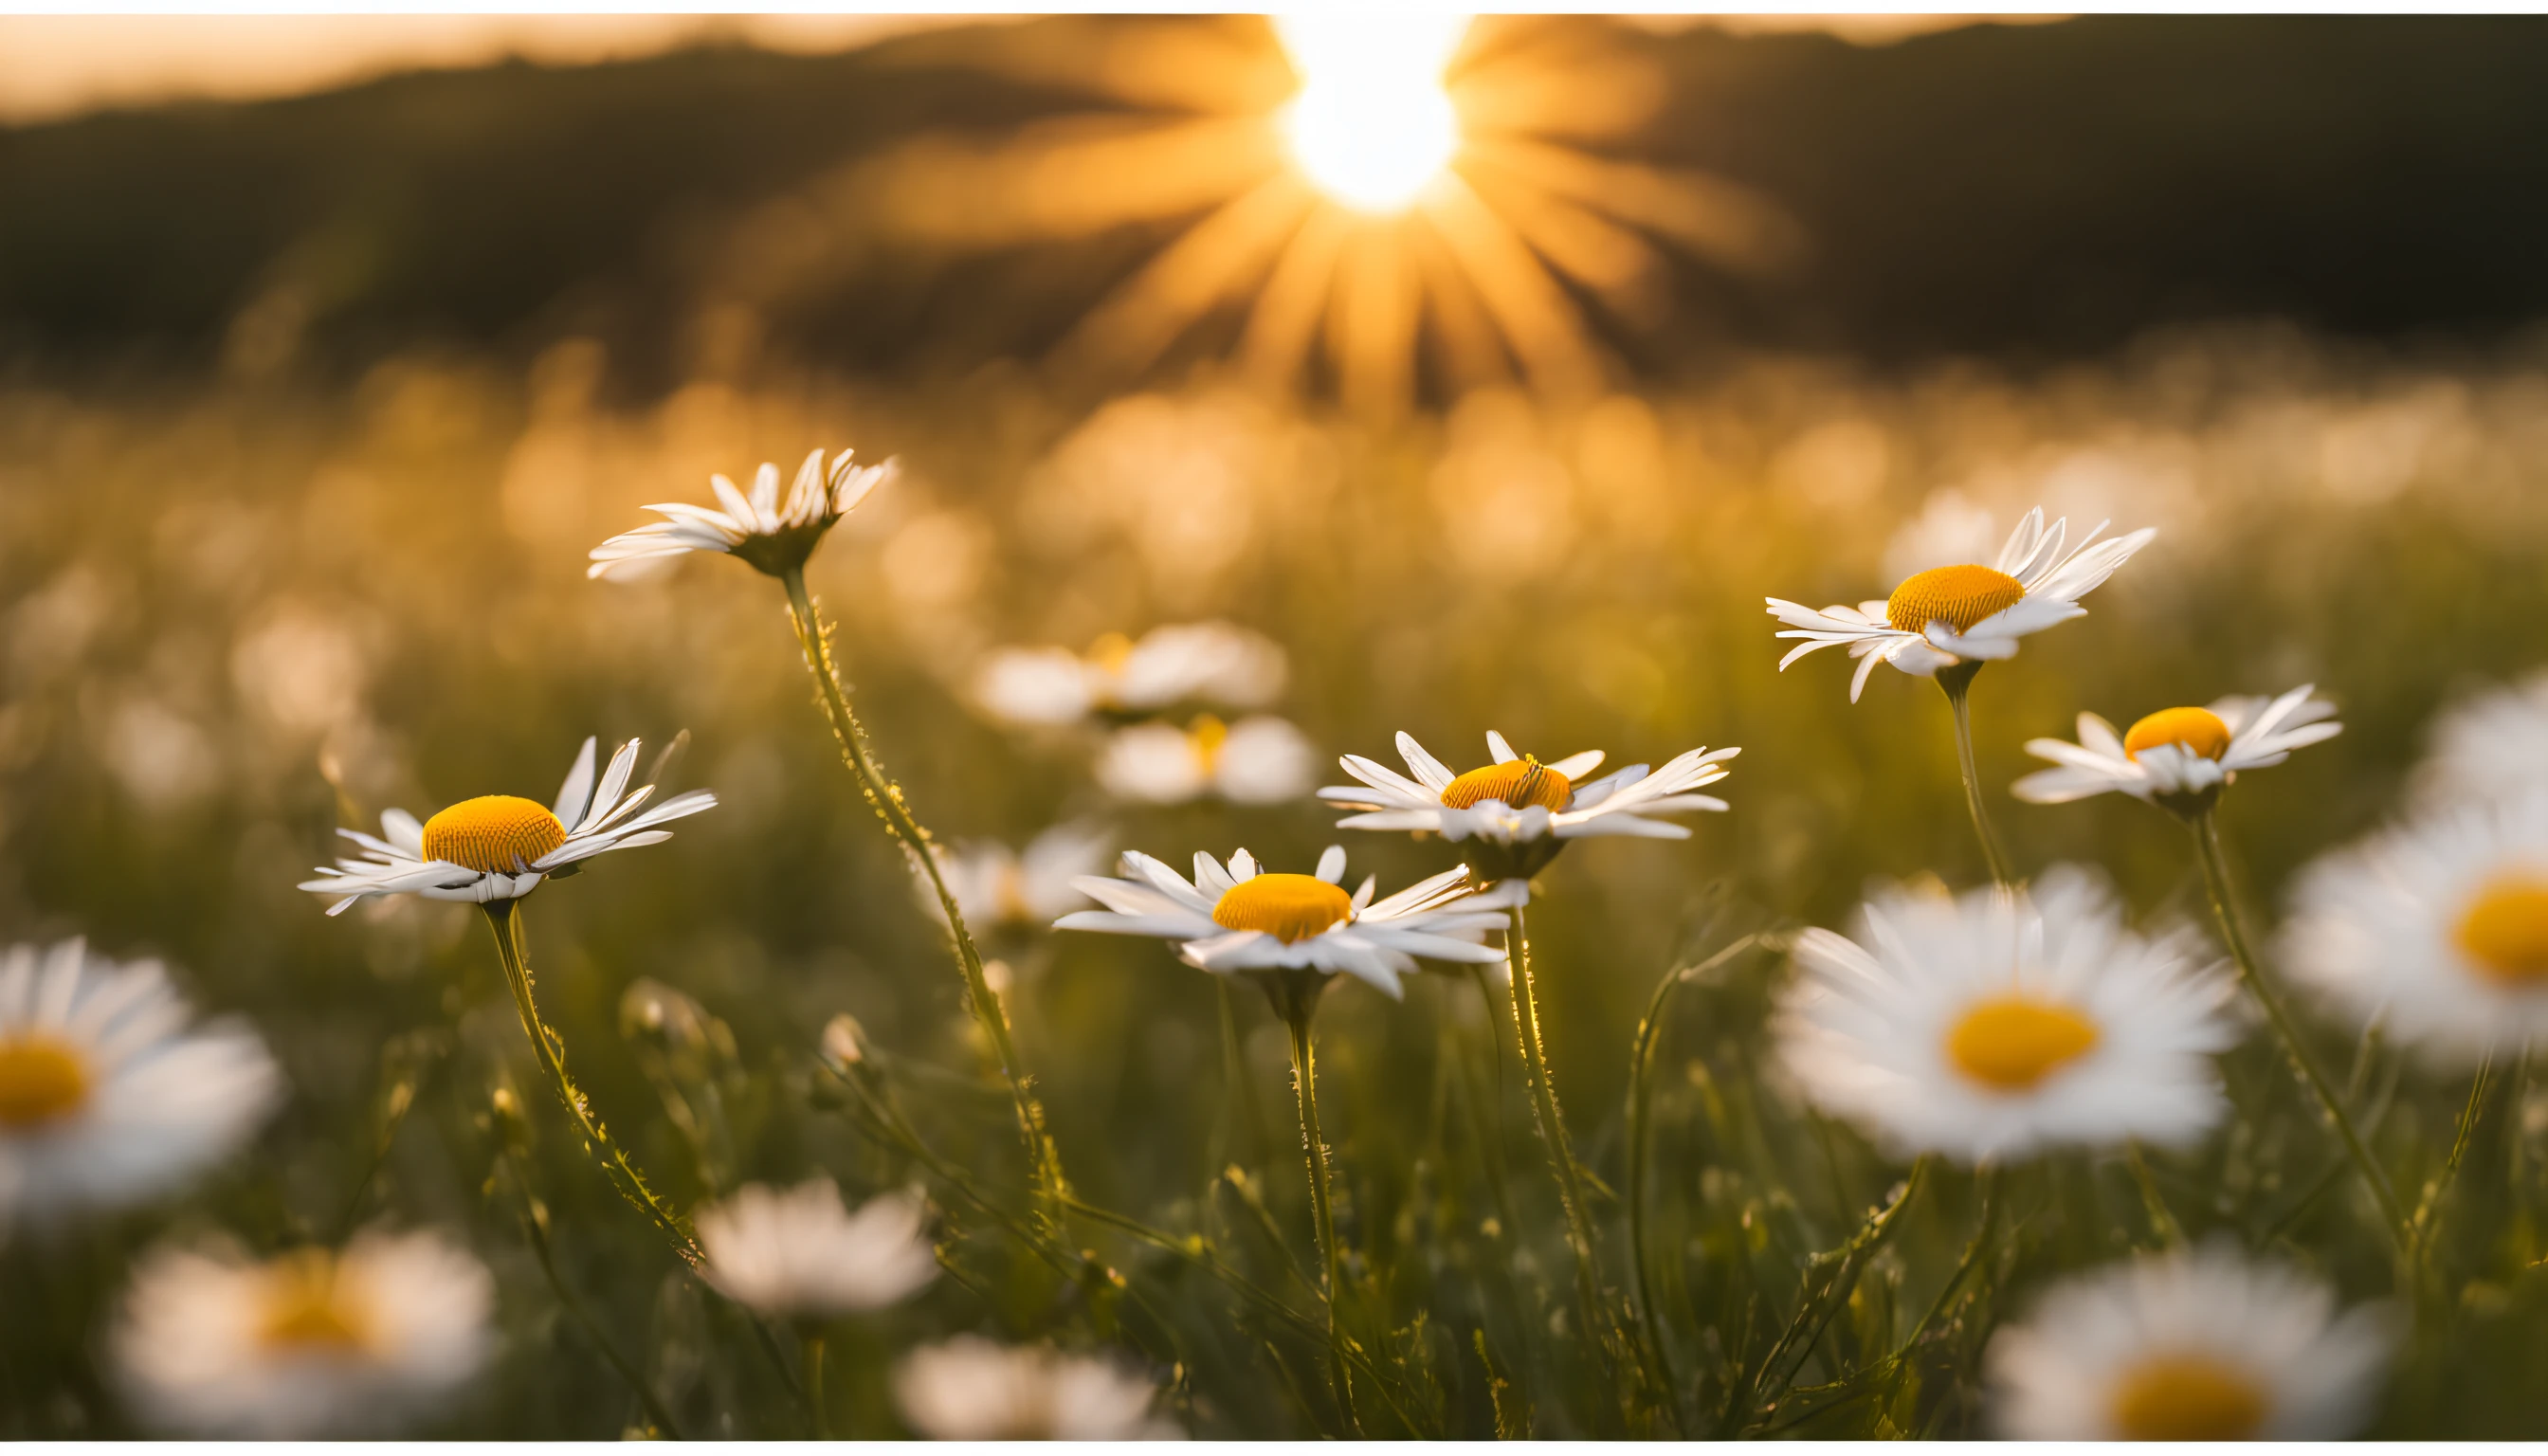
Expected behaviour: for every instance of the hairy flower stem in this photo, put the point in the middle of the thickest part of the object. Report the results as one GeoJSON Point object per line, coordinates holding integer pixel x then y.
{"type": "Point", "coordinates": [809, 1341]}
{"type": "Point", "coordinates": [814, 639]}
{"type": "Point", "coordinates": [2225, 910]}
{"type": "Point", "coordinates": [1297, 1003]}
{"type": "Point", "coordinates": [1958, 684]}
{"type": "Point", "coordinates": [506, 920]}
{"type": "Point", "coordinates": [2428, 1207]}
{"type": "Point", "coordinates": [1561, 1151]}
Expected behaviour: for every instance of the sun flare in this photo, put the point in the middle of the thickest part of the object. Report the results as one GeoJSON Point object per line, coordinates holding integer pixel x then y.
{"type": "Point", "coordinates": [1372, 122]}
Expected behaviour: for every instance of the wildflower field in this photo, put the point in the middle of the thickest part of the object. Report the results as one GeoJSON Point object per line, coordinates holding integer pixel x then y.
{"type": "Point", "coordinates": [1222, 912]}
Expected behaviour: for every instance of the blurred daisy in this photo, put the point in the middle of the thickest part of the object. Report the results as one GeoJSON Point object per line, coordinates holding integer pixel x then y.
{"type": "Point", "coordinates": [1191, 661]}
{"type": "Point", "coordinates": [2178, 753]}
{"type": "Point", "coordinates": [105, 1098]}
{"type": "Point", "coordinates": [2003, 1023]}
{"type": "Point", "coordinates": [2438, 926]}
{"type": "Point", "coordinates": [772, 538]}
{"type": "Point", "coordinates": [1239, 919]}
{"type": "Point", "coordinates": [799, 1252]}
{"type": "Point", "coordinates": [1952, 614]}
{"type": "Point", "coordinates": [2188, 1346]}
{"type": "Point", "coordinates": [1255, 761]}
{"type": "Point", "coordinates": [972, 1390]}
{"type": "Point", "coordinates": [2487, 744]}
{"type": "Point", "coordinates": [500, 847]}
{"type": "Point", "coordinates": [307, 1345]}
{"type": "Point", "coordinates": [994, 884]}
{"type": "Point", "coordinates": [1518, 802]}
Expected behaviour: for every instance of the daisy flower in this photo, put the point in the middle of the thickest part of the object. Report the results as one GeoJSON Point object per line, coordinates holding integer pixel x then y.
{"type": "Point", "coordinates": [1242, 920]}
{"type": "Point", "coordinates": [497, 846]}
{"type": "Point", "coordinates": [1255, 761]}
{"type": "Point", "coordinates": [972, 1390]}
{"type": "Point", "coordinates": [105, 1099]}
{"type": "Point", "coordinates": [1522, 806]}
{"type": "Point", "coordinates": [770, 537]}
{"type": "Point", "coordinates": [2199, 1345]}
{"type": "Point", "coordinates": [1189, 662]}
{"type": "Point", "coordinates": [308, 1345]}
{"type": "Point", "coordinates": [1953, 614]}
{"type": "Point", "coordinates": [2179, 756]}
{"type": "Point", "coordinates": [801, 1253]}
{"type": "Point", "coordinates": [2438, 926]}
{"type": "Point", "coordinates": [994, 884]}
{"type": "Point", "coordinates": [2489, 743]}
{"type": "Point", "coordinates": [2005, 1022]}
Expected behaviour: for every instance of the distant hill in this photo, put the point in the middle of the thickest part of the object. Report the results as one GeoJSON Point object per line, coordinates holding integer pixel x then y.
{"type": "Point", "coordinates": [2029, 192]}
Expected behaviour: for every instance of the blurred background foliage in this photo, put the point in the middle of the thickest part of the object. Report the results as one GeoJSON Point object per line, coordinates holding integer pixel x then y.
{"type": "Point", "coordinates": [308, 410]}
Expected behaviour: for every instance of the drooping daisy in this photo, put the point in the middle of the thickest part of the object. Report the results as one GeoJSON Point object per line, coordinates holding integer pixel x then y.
{"type": "Point", "coordinates": [1952, 614]}
{"type": "Point", "coordinates": [972, 1390]}
{"type": "Point", "coordinates": [995, 885]}
{"type": "Point", "coordinates": [2199, 1345]}
{"type": "Point", "coordinates": [105, 1099]}
{"type": "Point", "coordinates": [2178, 757]}
{"type": "Point", "coordinates": [497, 846]}
{"type": "Point", "coordinates": [1258, 760]}
{"type": "Point", "coordinates": [1216, 663]}
{"type": "Point", "coordinates": [2491, 746]}
{"type": "Point", "coordinates": [1521, 805]}
{"type": "Point", "coordinates": [1239, 919]}
{"type": "Point", "coordinates": [308, 1345]}
{"type": "Point", "coordinates": [800, 1253]}
{"type": "Point", "coordinates": [2440, 927]}
{"type": "Point", "coordinates": [2004, 1022]}
{"type": "Point", "coordinates": [773, 538]}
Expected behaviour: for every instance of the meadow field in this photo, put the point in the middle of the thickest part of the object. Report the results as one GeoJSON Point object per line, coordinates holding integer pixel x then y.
{"type": "Point", "coordinates": [246, 602]}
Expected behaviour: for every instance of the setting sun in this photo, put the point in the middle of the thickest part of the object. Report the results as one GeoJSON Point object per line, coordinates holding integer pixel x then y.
{"type": "Point", "coordinates": [1371, 124]}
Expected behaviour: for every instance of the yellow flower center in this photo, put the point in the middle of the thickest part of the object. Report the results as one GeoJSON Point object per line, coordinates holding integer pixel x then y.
{"type": "Point", "coordinates": [1959, 595]}
{"type": "Point", "coordinates": [1287, 907]}
{"type": "Point", "coordinates": [2504, 929]}
{"type": "Point", "coordinates": [1111, 652]}
{"type": "Point", "coordinates": [2197, 731]}
{"type": "Point", "coordinates": [2187, 1398]}
{"type": "Point", "coordinates": [42, 1079]}
{"type": "Point", "coordinates": [1518, 784]}
{"type": "Point", "coordinates": [1207, 734]}
{"type": "Point", "coordinates": [309, 1305]}
{"type": "Point", "coordinates": [492, 833]}
{"type": "Point", "coordinates": [2011, 1044]}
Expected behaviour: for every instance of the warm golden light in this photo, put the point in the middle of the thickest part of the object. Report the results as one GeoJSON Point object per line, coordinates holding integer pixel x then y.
{"type": "Point", "coordinates": [1371, 125]}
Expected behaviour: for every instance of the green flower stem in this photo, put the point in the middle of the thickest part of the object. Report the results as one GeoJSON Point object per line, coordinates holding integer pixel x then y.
{"type": "Point", "coordinates": [622, 1170]}
{"type": "Point", "coordinates": [809, 1340]}
{"type": "Point", "coordinates": [535, 1220]}
{"type": "Point", "coordinates": [1561, 1148]}
{"type": "Point", "coordinates": [1958, 684]}
{"type": "Point", "coordinates": [1297, 1003]}
{"type": "Point", "coordinates": [2162, 1221]}
{"type": "Point", "coordinates": [2428, 1207]}
{"type": "Point", "coordinates": [2215, 881]}
{"type": "Point", "coordinates": [1816, 1309]}
{"type": "Point", "coordinates": [1640, 1118]}
{"type": "Point", "coordinates": [814, 639]}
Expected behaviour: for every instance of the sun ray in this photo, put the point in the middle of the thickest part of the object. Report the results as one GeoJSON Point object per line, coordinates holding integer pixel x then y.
{"type": "Point", "coordinates": [1285, 322]}
{"type": "Point", "coordinates": [1215, 260]}
{"type": "Point", "coordinates": [1411, 198]}
{"type": "Point", "coordinates": [1614, 262]}
{"type": "Point", "coordinates": [1542, 324]}
{"type": "Point", "coordinates": [1728, 224]}
{"type": "Point", "coordinates": [1372, 329]}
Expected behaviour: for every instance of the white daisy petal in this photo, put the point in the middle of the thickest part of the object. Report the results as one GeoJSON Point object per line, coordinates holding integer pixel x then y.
{"type": "Point", "coordinates": [2002, 1024]}
{"type": "Point", "coordinates": [2192, 1345]}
